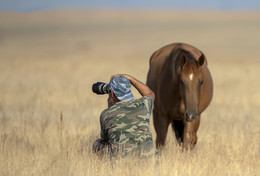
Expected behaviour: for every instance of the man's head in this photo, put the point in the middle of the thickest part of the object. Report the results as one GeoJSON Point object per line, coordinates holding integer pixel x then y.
{"type": "Point", "coordinates": [120, 89]}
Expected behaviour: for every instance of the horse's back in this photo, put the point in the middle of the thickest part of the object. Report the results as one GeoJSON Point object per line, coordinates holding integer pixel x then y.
{"type": "Point", "coordinates": [157, 62]}
{"type": "Point", "coordinates": [161, 54]}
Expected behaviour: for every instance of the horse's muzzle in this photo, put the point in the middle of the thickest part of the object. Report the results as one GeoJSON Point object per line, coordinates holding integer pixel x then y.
{"type": "Point", "coordinates": [190, 116]}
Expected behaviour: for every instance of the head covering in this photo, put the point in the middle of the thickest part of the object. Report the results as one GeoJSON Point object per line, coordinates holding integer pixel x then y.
{"type": "Point", "coordinates": [121, 87]}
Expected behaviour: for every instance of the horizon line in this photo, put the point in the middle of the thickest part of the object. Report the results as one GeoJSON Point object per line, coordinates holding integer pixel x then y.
{"type": "Point", "coordinates": [160, 8]}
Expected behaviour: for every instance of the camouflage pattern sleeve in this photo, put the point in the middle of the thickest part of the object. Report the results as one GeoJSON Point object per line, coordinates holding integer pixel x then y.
{"type": "Point", "coordinates": [103, 132]}
{"type": "Point", "coordinates": [149, 102]}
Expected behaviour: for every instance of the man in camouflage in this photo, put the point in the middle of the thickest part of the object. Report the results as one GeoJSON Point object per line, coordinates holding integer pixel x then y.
{"type": "Point", "coordinates": [125, 124]}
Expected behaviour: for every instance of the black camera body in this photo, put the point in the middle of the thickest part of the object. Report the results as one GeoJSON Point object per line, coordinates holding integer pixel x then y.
{"type": "Point", "coordinates": [101, 88]}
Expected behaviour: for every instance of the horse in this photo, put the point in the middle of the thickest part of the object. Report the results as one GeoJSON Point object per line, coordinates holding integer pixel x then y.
{"type": "Point", "coordinates": [179, 76]}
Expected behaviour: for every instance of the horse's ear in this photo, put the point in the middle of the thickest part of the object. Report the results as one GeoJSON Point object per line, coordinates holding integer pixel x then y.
{"type": "Point", "coordinates": [181, 63]}
{"type": "Point", "coordinates": [201, 60]}
{"type": "Point", "coordinates": [183, 60]}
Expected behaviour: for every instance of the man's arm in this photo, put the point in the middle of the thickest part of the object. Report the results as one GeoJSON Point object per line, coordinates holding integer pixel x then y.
{"type": "Point", "coordinates": [142, 88]}
{"type": "Point", "coordinates": [103, 131]}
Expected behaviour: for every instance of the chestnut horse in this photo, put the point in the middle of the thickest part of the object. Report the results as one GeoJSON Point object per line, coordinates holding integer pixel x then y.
{"type": "Point", "coordinates": [183, 86]}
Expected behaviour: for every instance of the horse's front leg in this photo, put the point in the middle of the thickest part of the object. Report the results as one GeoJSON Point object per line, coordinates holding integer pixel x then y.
{"type": "Point", "coordinates": [190, 133]}
{"type": "Point", "coordinates": [161, 124]}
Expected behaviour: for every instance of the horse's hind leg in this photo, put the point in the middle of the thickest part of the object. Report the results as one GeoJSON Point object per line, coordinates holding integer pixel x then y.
{"type": "Point", "coordinates": [190, 133]}
{"type": "Point", "coordinates": [178, 127]}
{"type": "Point", "coordinates": [161, 127]}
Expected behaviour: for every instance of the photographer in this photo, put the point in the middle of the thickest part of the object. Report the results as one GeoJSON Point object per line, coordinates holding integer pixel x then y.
{"type": "Point", "coordinates": [125, 124]}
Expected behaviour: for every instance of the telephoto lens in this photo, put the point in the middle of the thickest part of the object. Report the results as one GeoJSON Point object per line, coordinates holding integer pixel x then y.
{"type": "Point", "coordinates": [101, 88]}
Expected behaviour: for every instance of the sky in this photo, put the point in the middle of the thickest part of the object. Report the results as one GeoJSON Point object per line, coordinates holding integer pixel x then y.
{"type": "Point", "coordinates": [34, 5]}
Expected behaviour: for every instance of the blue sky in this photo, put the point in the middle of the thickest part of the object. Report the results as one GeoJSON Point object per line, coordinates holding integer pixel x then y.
{"type": "Point", "coordinates": [32, 5]}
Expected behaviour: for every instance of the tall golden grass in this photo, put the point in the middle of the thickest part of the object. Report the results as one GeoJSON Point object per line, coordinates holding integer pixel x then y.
{"type": "Point", "coordinates": [50, 117]}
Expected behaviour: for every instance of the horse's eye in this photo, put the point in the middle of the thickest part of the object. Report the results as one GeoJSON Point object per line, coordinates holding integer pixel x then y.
{"type": "Point", "coordinates": [201, 82]}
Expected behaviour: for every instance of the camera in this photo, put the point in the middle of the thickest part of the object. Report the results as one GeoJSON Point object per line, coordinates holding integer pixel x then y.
{"type": "Point", "coordinates": [101, 88]}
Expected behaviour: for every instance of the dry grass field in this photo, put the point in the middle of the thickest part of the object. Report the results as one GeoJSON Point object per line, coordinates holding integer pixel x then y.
{"type": "Point", "coordinates": [49, 117]}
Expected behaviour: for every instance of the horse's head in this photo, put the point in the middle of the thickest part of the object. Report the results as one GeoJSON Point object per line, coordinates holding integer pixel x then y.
{"type": "Point", "coordinates": [190, 81]}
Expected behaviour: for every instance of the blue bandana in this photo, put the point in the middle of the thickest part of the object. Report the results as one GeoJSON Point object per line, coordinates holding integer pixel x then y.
{"type": "Point", "coordinates": [121, 87]}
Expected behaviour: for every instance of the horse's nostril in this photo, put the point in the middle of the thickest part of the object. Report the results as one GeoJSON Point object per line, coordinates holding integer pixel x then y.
{"type": "Point", "coordinates": [186, 115]}
{"type": "Point", "coordinates": [190, 117]}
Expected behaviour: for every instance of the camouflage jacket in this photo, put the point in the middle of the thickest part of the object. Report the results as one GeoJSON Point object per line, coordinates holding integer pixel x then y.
{"type": "Point", "coordinates": [126, 127]}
